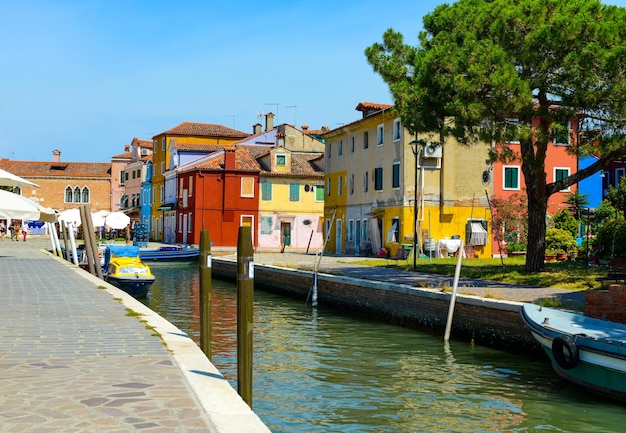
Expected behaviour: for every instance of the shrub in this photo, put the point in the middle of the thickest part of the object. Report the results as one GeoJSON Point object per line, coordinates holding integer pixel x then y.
{"type": "Point", "coordinates": [610, 240]}
{"type": "Point", "coordinates": [559, 240]}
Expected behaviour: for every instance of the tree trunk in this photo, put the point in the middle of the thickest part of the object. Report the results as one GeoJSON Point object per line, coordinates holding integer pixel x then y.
{"type": "Point", "coordinates": [537, 210]}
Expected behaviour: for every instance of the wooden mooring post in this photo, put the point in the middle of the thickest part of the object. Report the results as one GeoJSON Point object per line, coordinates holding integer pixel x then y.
{"type": "Point", "coordinates": [245, 313]}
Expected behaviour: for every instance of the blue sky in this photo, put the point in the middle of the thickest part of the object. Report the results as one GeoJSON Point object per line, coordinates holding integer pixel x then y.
{"type": "Point", "coordinates": [85, 77]}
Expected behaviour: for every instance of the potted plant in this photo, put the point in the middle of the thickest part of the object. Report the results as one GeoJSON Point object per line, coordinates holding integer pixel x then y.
{"type": "Point", "coordinates": [558, 242]}
{"type": "Point", "coordinates": [516, 248]}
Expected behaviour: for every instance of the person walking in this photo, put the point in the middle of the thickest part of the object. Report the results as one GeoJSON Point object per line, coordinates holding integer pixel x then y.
{"type": "Point", "coordinates": [17, 229]}
{"type": "Point", "coordinates": [24, 231]}
{"type": "Point", "coordinates": [3, 230]}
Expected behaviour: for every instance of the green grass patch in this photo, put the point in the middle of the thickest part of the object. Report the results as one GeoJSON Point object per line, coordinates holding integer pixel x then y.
{"type": "Point", "coordinates": [574, 275]}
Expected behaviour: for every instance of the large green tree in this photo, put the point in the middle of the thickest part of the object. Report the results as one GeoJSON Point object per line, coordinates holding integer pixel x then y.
{"type": "Point", "coordinates": [543, 62]}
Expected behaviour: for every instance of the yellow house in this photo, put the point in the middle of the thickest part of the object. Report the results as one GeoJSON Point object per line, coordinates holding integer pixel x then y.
{"type": "Point", "coordinates": [163, 212]}
{"type": "Point", "coordinates": [291, 201]}
{"type": "Point", "coordinates": [383, 187]}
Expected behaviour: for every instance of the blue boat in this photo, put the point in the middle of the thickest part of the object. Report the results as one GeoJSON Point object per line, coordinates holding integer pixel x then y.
{"type": "Point", "coordinates": [170, 253]}
{"type": "Point", "coordinates": [124, 269]}
{"type": "Point", "coordinates": [586, 351]}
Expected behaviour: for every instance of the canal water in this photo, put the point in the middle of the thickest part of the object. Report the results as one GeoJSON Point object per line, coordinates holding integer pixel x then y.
{"type": "Point", "coordinates": [316, 370]}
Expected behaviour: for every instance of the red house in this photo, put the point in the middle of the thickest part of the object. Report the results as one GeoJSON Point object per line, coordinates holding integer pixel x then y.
{"type": "Point", "coordinates": [560, 163]}
{"type": "Point", "coordinates": [218, 193]}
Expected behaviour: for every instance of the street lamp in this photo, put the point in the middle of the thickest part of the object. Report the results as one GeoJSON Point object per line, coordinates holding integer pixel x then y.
{"type": "Point", "coordinates": [417, 146]}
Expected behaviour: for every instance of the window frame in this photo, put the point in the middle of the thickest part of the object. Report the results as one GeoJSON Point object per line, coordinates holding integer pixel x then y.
{"type": "Point", "coordinates": [395, 175]}
{"type": "Point", "coordinates": [380, 135]}
{"type": "Point", "coordinates": [378, 179]}
{"type": "Point", "coordinates": [505, 168]}
{"type": "Point", "coordinates": [397, 134]}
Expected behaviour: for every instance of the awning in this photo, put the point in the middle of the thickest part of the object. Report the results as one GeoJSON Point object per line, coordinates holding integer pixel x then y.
{"type": "Point", "coordinates": [167, 206]}
{"type": "Point", "coordinates": [131, 210]}
{"type": "Point", "coordinates": [476, 233]}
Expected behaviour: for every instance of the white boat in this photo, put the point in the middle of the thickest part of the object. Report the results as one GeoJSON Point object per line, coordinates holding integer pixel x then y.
{"type": "Point", "coordinates": [586, 351]}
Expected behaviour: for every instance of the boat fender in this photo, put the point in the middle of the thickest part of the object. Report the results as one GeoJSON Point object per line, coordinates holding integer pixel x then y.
{"type": "Point", "coordinates": [565, 352]}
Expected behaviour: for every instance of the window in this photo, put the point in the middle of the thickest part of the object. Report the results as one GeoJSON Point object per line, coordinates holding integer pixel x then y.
{"type": "Point", "coordinates": [328, 183]}
{"type": "Point", "coordinates": [163, 144]}
{"type": "Point", "coordinates": [330, 150]}
{"type": "Point", "coordinates": [319, 192]}
{"type": "Point", "coordinates": [267, 225]}
{"type": "Point", "coordinates": [190, 220]}
{"type": "Point", "coordinates": [396, 175]}
{"type": "Point", "coordinates": [378, 178]}
{"type": "Point", "coordinates": [85, 195]}
{"type": "Point", "coordinates": [366, 139]}
{"type": "Point", "coordinates": [561, 133]}
{"type": "Point", "coordinates": [351, 185]}
{"type": "Point", "coordinates": [395, 229]}
{"type": "Point", "coordinates": [281, 160]}
{"type": "Point", "coordinates": [190, 192]}
{"type": "Point", "coordinates": [511, 130]}
{"type": "Point", "coordinates": [294, 192]}
{"type": "Point", "coordinates": [619, 173]}
{"type": "Point", "coordinates": [350, 233]}
{"type": "Point", "coordinates": [380, 135]}
{"type": "Point", "coordinates": [121, 177]}
{"type": "Point", "coordinates": [180, 223]}
{"type": "Point", "coordinates": [266, 191]}
{"type": "Point", "coordinates": [511, 177]}
{"type": "Point", "coordinates": [364, 228]}
{"type": "Point", "coordinates": [154, 145]}
{"type": "Point", "coordinates": [125, 176]}
{"type": "Point", "coordinates": [247, 187]}
{"type": "Point", "coordinates": [351, 144]}
{"type": "Point", "coordinates": [366, 181]}
{"type": "Point", "coordinates": [68, 195]}
{"type": "Point", "coordinates": [77, 195]}
{"type": "Point", "coordinates": [396, 130]}
{"type": "Point", "coordinates": [340, 149]}
{"type": "Point", "coordinates": [339, 185]}
{"type": "Point", "coordinates": [561, 174]}
{"type": "Point", "coordinates": [162, 168]}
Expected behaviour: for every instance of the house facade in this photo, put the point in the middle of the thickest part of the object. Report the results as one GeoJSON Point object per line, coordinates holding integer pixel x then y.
{"type": "Point", "coordinates": [218, 193]}
{"type": "Point", "coordinates": [560, 162]}
{"type": "Point", "coordinates": [164, 213]}
{"type": "Point", "coordinates": [134, 175]}
{"type": "Point", "coordinates": [291, 200]}
{"type": "Point", "coordinates": [64, 185]}
{"type": "Point", "coordinates": [381, 191]}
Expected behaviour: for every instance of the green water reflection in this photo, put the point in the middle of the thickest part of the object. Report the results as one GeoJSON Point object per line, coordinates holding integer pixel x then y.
{"type": "Point", "coordinates": [319, 371]}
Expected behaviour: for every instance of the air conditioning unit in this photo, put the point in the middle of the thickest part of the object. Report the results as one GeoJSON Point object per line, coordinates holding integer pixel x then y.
{"type": "Point", "coordinates": [432, 151]}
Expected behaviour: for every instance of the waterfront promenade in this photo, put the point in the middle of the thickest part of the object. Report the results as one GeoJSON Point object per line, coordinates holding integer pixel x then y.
{"type": "Point", "coordinates": [79, 355]}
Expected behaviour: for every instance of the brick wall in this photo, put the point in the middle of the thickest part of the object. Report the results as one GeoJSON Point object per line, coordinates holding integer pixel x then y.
{"type": "Point", "coordinates": [607, 304]}
{"type": "Point", "coordinates": [483, 321]}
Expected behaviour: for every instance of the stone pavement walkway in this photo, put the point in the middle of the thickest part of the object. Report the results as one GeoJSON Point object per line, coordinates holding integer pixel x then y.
{"type": "Point", "coordinates": [73, 359]}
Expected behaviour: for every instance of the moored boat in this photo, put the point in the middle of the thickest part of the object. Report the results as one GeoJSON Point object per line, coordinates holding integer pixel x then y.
{"type": "Point", "coordinates": [124, 269]}
{"type": "Point", "coordinates": [586, 351]}
{"type": "Point", "coordinates": [170, 253]}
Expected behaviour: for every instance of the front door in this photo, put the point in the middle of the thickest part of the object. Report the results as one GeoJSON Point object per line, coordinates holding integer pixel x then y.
{"type": "Point", "coordinates": [285, 235]}
{"type": "Point", "coordinates": [338, 234]}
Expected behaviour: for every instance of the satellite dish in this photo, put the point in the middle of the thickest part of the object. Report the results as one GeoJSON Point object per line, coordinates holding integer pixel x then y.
{"type": "Point", "coordinates": [486, 177]}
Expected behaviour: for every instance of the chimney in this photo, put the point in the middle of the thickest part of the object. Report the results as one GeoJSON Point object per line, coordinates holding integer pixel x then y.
{"type": "Point", "coordinates": [56, 155]}
{"type": "Point", "coordinates": [256, 128]}
{"type": "Point", "coordinates": [127, 148]}
{"type": "Point", "coordinates": [229, 158]}
{"type": "Point", "coordinates": [305, 127]}
{"type": "Point", "coordinates": [269, 121]}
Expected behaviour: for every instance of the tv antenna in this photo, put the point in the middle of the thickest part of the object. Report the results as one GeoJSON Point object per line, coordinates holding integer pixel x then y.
{"type": "Point", "coordinates": [295, 114]}
{"type": "Point", "coordinates": [233, 116]}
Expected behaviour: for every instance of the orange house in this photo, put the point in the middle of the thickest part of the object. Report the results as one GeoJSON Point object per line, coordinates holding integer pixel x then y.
{"type": "Point", "coordinates": [560, 163]}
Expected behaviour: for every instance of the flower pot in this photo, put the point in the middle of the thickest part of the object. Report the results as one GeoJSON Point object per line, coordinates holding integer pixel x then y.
{"type": "Point", "coordinates": [550, 257]}
{"type": "Point", "coordinates": [561, 256]}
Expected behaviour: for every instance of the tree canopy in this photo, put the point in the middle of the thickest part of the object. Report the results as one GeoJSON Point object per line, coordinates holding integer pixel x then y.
{"type": "Point", "coordinates": [542, 62]}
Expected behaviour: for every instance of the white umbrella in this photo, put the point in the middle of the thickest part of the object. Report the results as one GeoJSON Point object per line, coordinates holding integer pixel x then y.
{"type": "Point", "coordinates": [117, 220]}
{"type": "Point", "coordinates": [71, 216]}
{"type": "Point", "coordinates": [98, 218]}
{"type": "Point", "coordinates": [9, 179]}
{"type": "Point", "coordinates": [15, 206]}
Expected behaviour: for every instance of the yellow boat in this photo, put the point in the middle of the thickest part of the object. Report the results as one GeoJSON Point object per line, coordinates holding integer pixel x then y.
{"type": "Point", "coordinates": [124, 269]}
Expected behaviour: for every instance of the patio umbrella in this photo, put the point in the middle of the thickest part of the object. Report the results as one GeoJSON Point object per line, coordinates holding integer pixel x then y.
{"type": "Point", "coordinates": [15, 206]}
{"type": "Point", "coordinates": [9, 179]}
{"type": "Point", "coordinates": [117, 220]}
{"type": "Point", "coordinates": [71, 216]}
{"type": "Point", "coordinates": [98, 218]}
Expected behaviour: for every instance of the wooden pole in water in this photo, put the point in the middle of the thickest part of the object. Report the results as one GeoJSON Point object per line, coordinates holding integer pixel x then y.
{"type": "Point", "coordinates": [87, 239]}
{"type": "Point", "coordinates": [204, 262]}
{"type": "Point", "coordinates": [457, 272]}
{"type": "Point", "coordinates": [91, 233]}
{"type": "Point", "coordinates": [245, 310]}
